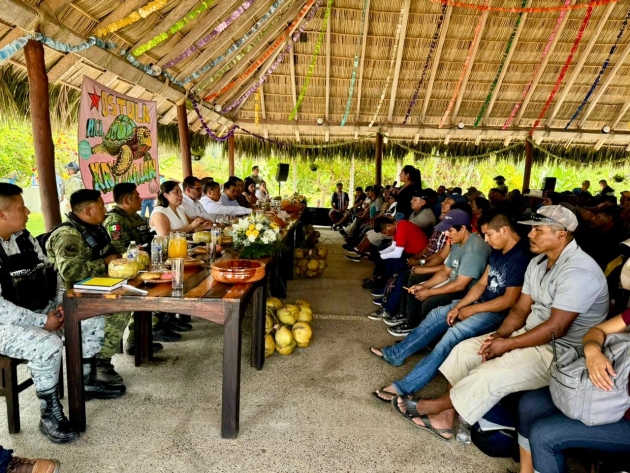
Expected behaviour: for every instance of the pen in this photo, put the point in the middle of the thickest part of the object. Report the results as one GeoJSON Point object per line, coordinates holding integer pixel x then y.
{"type": "Point", "coordinates": [129, 287]}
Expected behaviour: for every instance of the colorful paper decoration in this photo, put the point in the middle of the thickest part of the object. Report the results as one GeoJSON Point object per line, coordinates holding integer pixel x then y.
{"type": "Point", "coordinates": [425, 68]}
{"type": "Point", "coordinates": [517, 105]}
{"type": "Point", "coordinates": [311, 67]}
{"type": "Point", "coordinates": [69, 48]}
{"type": "Point", "coordinates": [486, 7]}
{"type": "Point", "coordinates": [143, 12]}
{"type": "Point", "coordinates": [563, 71]}
{"type": "Point", "coordinates": [211, 134]}
{"type": "Point", "coordinates": [213, 34]}
{"type": "Point", "coordinates": [152, 43]}
{"type": "Point", "coordinates": [305, 9]}
{"type": "Point", "coordinates": [601, 71]}
{"type": "Point", "coordinates": [464, 69]}
{"type": "Point", "coordinates": [508, 48]}
{"type": "Point", "coordinates": [392, 61]}
{"type": "Point", "coordinates": [12, 48]}
{"type": "Point", "coordinates": [355, 65]}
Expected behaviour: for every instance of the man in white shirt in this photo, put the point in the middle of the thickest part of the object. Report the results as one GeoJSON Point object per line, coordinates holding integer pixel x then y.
{"type": "Point", "coordinates": [212, 205]}
{"type": "Point", "coordinates": [191, 204]}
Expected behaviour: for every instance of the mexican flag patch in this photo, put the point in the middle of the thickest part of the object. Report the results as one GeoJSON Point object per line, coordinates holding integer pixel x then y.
{"type": "Point", "coordinates": [114, 228]}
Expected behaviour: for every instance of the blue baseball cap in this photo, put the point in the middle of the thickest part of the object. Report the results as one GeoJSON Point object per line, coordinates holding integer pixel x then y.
{"type": "Point", "coordinates": [454, 217]}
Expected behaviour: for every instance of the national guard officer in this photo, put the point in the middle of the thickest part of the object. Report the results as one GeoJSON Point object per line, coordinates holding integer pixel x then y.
{"type": "Point", "coordinates": [124, 225]}
{"type": "Point", "coordinates": [73, 184]}
{"type": "Point", "coordinates": [80, 248]}
{"type": "Point", "coordinates": [30, 314]}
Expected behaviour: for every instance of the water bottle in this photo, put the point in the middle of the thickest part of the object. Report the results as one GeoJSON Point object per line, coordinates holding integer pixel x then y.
{"type": "Point", "coordinates": [132, 251]}
{"type": "Point", "coordinates": [463, 432]}
{"type": "Point", "coordinates": [215, 232]}
{"type": "Point", "coordinates": [156, 253]}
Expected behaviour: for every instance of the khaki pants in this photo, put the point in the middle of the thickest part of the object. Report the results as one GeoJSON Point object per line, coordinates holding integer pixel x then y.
{"type": "Point", "coordinates": [478, 386]}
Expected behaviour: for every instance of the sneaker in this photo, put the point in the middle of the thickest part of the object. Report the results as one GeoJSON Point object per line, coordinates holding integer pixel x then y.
{"type": "Point", "coordinates": [356, 259]}
{"type": "Point", "coordinates": [342, 232]}
{"type": "Point", "coordinates": [401, 330]}
{"type": "Point", "coordinates": [378, 314]}
{"type": "Point", "coordinates": [394, 320]}
{"type": "Point", "coordinates": [380, 292]}
{"type": "Point", "coordinates": [373, 284]}
{"type": "Point", "coordinates": [348, 247]}
{"type": "Point", "coordinates": [352, 253]}
{"type": "Point", "coordinates": [379, 302]}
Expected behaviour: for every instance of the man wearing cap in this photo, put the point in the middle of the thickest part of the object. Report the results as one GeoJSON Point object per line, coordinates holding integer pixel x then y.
{"type": "Point", "coordinates": [564, 294]}
{"type": "Point", "coordinates": [500, 180]}
{"type": "Point", "coordinates": [73, 184]}
{"type": "Point", "coordinates": [421, 214]}
{"type": "Point", "coordinates": [461, 270]}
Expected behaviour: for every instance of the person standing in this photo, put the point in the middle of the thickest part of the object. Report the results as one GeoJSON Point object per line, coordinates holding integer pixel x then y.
{"type": "Point", "coordinates": [147, 204]}
{"type": "Point", "coordinates": [31, 315]}
{"type": "Point", "coordinates": [74, 183]}
{"type": "Point", "coordinates": [81, 248]}
{"type": "Point", "coordinates": [410, 177]}
{"type": "Point", "coordinates": [256, 176]}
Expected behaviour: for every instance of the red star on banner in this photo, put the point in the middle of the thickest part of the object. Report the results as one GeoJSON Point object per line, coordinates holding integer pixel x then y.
{"type": "Point", "coordinates": [95, 98]}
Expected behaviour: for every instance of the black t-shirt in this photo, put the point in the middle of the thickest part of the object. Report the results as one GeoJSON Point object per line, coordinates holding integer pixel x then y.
{"type": "Point", "coordinates": [336, 203]}
{"type": "Point", "coordinates": [403, 198]}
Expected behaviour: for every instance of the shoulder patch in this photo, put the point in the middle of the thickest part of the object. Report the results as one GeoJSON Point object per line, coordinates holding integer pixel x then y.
{"type": "Point", "coordinates": [114, 227]}
{"type": "Point", "coordinates": [115, 235]}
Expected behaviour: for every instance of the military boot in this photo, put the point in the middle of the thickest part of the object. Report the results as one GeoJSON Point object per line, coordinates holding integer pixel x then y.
{"type": "Point", "coordinates": [162, 332]}
{"type": "Point", "coordinates": [26, 465]}
{"type": "Point", "coordinates": [130, 348]}
{"type": "Point", "coordinates": [173, 323]}
{"type": "Point", "coordinates": [97, 389]}
{"type": "Point", "coordinates": [54, 424]}
{"type": "Point", "coordinates": [105, 371]}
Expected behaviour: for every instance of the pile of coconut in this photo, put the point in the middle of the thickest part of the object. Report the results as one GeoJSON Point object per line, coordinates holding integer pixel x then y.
{"type": "Point", "coordinates": [310, 262]}
{"type": "Point", "coordinates": [287, 326]}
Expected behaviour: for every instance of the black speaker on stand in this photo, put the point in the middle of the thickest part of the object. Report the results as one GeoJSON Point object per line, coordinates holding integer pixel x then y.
{"type": "Point", "coordinates": [549, 184]}
{"type": "Point", "coordinates": [282, 174]}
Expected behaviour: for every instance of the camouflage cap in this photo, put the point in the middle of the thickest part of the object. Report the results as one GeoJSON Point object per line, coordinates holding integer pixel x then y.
{"type": "Point", "coordinates": [554, 215]}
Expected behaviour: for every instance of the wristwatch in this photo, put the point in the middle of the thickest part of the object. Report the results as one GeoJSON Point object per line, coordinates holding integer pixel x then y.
{"type": "Point", "coordinates": [422, 262]}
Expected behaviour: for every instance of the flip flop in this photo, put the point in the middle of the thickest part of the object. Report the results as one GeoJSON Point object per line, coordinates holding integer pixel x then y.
{"type": "Point", "coordinates": [378, 392]}
{"type": "Point", "coordinates": [381, 357]}
{"type": "Point", "coordinates": [427, 427]}
{"type": "Point", "coordinates": [405, 415]}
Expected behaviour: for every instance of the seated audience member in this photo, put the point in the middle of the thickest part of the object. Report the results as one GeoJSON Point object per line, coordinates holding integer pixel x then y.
{"type": "Point", "coordinates": [602, 242]}
{"type": "Point", "coordinates": [564, 293]}
{"type": "Point", "coordinates": [456, 195]}
{"type": "Point", "coordinates": [339, 203]}
{"type": "Point", "coordinates": [479, 206]}
{"type": "Point", "coordinates": [422, 215]}
{"type": "Point", "coordinates": [465, 264]}
{"type": "Point", "coordinates": [241, 198]}
{"type": "Point", "coordinates": [168, 216]}
{"type": "Point", "coordinates": [211, 202]}
{"type": "Point", "coordinates": [544, 433]}
{"type": "Point", "coordinates": [496, 196]}
{"type": "Point", "coordinates": [535, 201]}
{"type": "Point", "coordinates": [350, 213]}
{"type": "Point", "coordinates": [605, 189]}
{"type": "Point", "coordinates": [262, 193]}
{"type": "Point", "coordinates": [585, 186]}
{"type": "Point", "coordinates": [410, 178]}
{"type": "Point", "coordinates": [250, 192]}
{"type": "Point", "coordinates": [193, 190]}
{"type": "Point", "coordinates": [362, 214]}
{"type": "Point", "coordinates": [482, 309]}
{"type": "Point", "coordinates": [230, 194]}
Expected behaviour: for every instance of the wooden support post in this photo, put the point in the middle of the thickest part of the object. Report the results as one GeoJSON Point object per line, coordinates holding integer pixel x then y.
{"type": "Point", "coordinates": [231, 155]}
{"type": "Point", "coordinates": [529, 157]}
{"type": "Point", "coordinates": [379, 159]}
{"type": "Point", "coordinates": [42, 133]}
{"type": "Point", "coordinates": [184, 139]}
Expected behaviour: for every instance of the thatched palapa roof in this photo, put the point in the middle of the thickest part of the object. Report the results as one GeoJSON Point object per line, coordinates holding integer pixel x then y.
{"type": "Point", "coordinates": [487, 56]}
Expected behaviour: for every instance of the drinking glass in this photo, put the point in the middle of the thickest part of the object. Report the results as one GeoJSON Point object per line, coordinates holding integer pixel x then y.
{"type": "Point", "coordinates": [177, 245]}
{"type": "Point", "coordinates": [177, 269]}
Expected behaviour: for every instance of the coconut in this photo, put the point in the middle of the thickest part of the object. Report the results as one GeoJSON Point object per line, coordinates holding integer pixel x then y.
{"type": "Point", "coordinates": [302, 334]}
{"type": "Point", "coordinates": [311, 274]}
{"type": "Point", "coordinates": [288, 314]}
{"type": "Point", "coordinates": [143, 260]}
{"type": "Point", "coordinates": [274, 303]}
{"type": "Point", "coordinates": [122, 268]}
{"type": "Point", "coordinates": [305, 315]}
{"type": "Point", "coordinates": [303, 264]}
{"type": "Point", "coordinates": [284, 337]}
{"type": "Point", "coordinates": [270, 346]}
{"type": "Point", "coordinates": [299, 253]}
{"type": "Point", "coordinates": [268, 324]}
{"type": "Point", "coordinates": [202, 237]}
{"type": "Point", "coordinates": [298, 271]}
{"type": "Point", "coordinates": [286, 350]}
{"type": "Point", "coordinates": [322, 264]}
{"type": "Point", "coordinates": [322, 252]}
{"type": "Point", "coordinates": [302, 303]}
{"type": "Point", "coordinates": [313, 265]}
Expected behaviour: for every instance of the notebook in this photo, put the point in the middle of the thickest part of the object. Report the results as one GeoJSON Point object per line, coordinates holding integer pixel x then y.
{"type": "Point", "coordinates": [100, 284]}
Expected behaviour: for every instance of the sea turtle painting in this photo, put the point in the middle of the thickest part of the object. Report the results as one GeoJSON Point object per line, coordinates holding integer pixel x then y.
{"type": "Point", "coordinates": [127, 142]}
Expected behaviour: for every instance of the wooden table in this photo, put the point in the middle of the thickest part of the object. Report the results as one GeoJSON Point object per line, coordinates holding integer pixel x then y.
{"type": "Point", "coordinates": [201, 297]}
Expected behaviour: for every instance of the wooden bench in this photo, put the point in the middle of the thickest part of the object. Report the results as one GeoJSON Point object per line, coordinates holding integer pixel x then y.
{"type": "Point", "coordinates": [10, 389]}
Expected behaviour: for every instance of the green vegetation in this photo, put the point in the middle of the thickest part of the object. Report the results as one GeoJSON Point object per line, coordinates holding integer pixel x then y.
{"type": "Point", "coordinates": [35, 224]}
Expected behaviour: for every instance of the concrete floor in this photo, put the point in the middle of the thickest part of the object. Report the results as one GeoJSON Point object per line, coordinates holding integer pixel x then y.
{"type": "Point", "coordinates": [312, 411]}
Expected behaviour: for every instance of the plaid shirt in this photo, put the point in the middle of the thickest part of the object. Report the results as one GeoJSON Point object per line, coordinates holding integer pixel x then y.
{"type": "Point", "coordinates": [436, 242]}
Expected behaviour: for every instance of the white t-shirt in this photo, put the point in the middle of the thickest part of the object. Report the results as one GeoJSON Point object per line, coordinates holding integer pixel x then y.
{"type": "Point", "coordinates": [217, 210]}
{"type": "Point", "coordinates": [193, 208]}
{"type": "Point", "coordinates": [262, 195]}
{"type": "Point", "coordinates": [176, 219]}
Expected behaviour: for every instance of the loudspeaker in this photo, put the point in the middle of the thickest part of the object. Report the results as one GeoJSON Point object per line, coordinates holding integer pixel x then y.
{"type": "Point", "coordinates": [282, 173]}
{"type": "Point", "coordinates": [549, 184]}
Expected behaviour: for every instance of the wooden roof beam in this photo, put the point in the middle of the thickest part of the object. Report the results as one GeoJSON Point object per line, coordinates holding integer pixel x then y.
{"type": "Point", "coordinates": [399, 55]}
{"type": "Point", "coordinates": [436, 62]}
{"type": "Point", "coordinates": [620, 115]}
{"type": "Point", "coordinates": [471, 64]}
{"type": "Point", "coordinates": [602, 88]}
{"type": "Point", "coordinates": [255, 53]}
{"type": "Point", "coordinates": [600, 143]}
{"type": "Point", "coordinates": [107, 78]}
{"type": "Point", "coordinates": [363, 48]}
{"type": "Point", "coordinates": [328, 33]}
{"type": "Point", "coordinates": [65, 65]}
{"type": "Point", "coordinates": [577, 70]}
{"type": "Point", "coordinates": [542, 67]}
{"type": "Point", "coordinates": [208, 22]}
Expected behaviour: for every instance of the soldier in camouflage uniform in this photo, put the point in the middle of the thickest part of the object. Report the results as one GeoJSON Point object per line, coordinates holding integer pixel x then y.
{"type": "Point", "coordinates": [80, 249]}
{"type": "Point", "coordinates": [124, 225]}
{"type": "Point", "coordinates": [30, 314]}
{"type": "Point", "coordinates": [74, 183]}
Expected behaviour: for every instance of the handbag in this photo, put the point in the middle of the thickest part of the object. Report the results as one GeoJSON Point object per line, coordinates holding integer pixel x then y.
{"type": "Point", "coordinates": [577, 397]}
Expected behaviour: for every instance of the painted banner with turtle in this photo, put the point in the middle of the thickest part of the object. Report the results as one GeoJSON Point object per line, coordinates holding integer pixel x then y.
{"type": "Point", "coordinates": [117, 141]}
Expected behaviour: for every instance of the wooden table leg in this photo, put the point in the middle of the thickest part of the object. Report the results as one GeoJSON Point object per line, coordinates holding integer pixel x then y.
{"type": "Point", "coordinates": [231, 371]}
{"type": "Point", "coordinates": [142, 342]}
{"type": "Point", "coordinates": [74, 355]}
{"type": "Point", "coordinates": [137, 337]}
{"type": "Point", "coordinates": [258, 325]}
{"type": "Point", "coordinates": [148, 343]}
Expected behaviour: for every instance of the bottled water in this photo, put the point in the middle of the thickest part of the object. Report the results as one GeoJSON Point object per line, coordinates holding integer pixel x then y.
{"type": "Point", "coordinates": [215, 232]}
{"type": "Point", "coordinates": [132, 251]}
{"type": "Point", "coordinates": [463, 432]}
{"type": "Point", "coordinates": [156, 253]}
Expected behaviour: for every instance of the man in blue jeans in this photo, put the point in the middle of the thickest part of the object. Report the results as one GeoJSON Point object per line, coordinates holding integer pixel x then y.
{"type": "Point", "coordinates": [480, 311]}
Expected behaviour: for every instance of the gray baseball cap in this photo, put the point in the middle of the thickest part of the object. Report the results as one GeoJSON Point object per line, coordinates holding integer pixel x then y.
{"type": "Point", "coordinates": [554, 215]}
{"type": "Point", "coordinates": [73, 166]}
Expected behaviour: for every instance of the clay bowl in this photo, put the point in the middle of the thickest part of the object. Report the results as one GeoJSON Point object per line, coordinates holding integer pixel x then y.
{"type": "Point", "coordinates": [238, 271]}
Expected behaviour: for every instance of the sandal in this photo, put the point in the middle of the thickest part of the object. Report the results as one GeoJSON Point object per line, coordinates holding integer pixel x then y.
{"type": "Point", "coordinates": [427, 427]}
{"type": "Point", "coordinates": [410, 404]}
{"type": "Point", "coordinates": [379, 392]}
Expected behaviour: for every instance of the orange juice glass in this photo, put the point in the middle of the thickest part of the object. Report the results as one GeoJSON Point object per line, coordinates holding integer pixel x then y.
{"type": "Point", "coordinates": [177, 246]}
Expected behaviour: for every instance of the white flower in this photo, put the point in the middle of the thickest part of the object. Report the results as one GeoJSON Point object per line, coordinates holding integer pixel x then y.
{"type": "Point", "coordinates": [270, 235]}
{"type": "Point", "coordinates": [252, 238]}
{"type": "Point", "coordinates": [259, 226]}
{"type": "Point", "coordinates": [264, 240]}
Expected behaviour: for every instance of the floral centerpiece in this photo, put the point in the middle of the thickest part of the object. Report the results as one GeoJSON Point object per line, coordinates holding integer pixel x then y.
{"type": "Point", "coordinates": [299, 199]}
{"type": "Point", "coordinates": [256, 236]}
